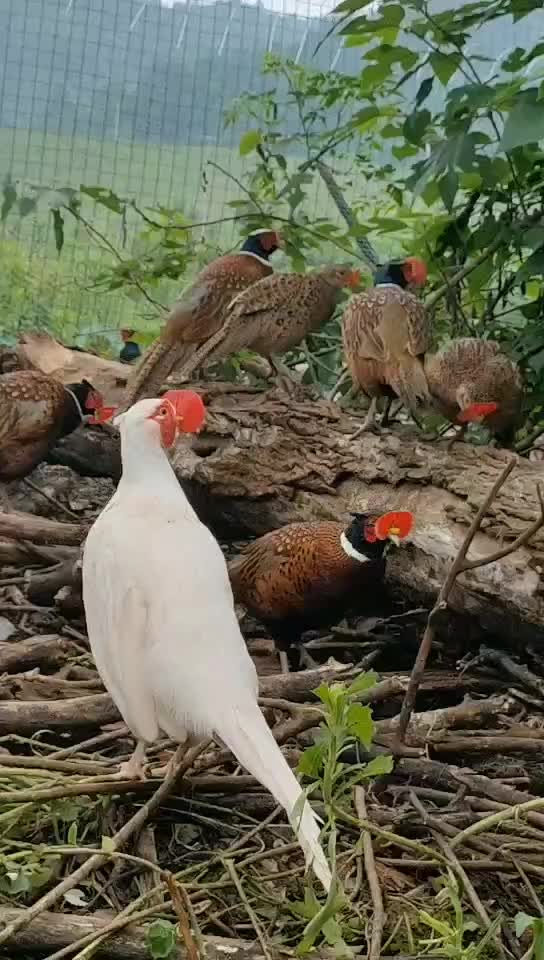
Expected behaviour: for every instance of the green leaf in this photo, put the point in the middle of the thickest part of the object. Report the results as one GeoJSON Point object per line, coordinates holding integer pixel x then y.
{"type": "Point", "coordinates": [425, 88]}
{"type": "Point", "coordinates": [524, 124]}
{"type": "Point", "coordinates": [10, 197]}
{"type": "Point", "coordinates": [249, 141]}
{"type": "Point", "coordinates": [538, 933]}
{"type": "Point", "coordinates": [72, 834]}
{"type": "Point", "coordinates": [26, 205]}
{"type": "Point", "coordinates": [161, 939]}
{"type": "Point", "coordinates": [522, 922]}
{"type": "Point", "coordinates": [378, 766]}
{"type": "Point", "coordinates": [105, 197]}
{"type": "Point", "coordinates": [448, 186]}
{"type": "Point", "coordinates": [416, 125]}
{"type": "Point", "coordinates": [58, 229]}
{"type": "Point", "coordinates": [108, 845]}
{"type": "Point", "coordinates": [311, 761]}
{"type": "Point", "coordinates": [360, 723]}
{"type": "Point", "coordinates": [362, 683]}
{"type": "Point", "coordinates": [444, 66]}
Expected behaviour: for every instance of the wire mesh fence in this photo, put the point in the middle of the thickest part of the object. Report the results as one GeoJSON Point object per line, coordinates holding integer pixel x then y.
{"type": "Point", "coordinates": [128, 94]}
{"type": "Point", "coordinates": [131, 95]}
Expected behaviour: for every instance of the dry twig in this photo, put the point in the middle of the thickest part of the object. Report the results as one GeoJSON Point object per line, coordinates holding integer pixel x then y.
{"type": "Point", "coordinates": [378, 918]}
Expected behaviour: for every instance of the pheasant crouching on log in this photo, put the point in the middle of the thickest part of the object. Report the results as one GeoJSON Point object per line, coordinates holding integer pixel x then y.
{"type": "Point", "coordinates": [200, 312]}
{"type": "Point", "coordinates": [473, 381]}
{"type": "Point", "coordinates": [161, 620]}
{"type": "Point", "coordinates": [35, 410]}
{"type": "Point", "coordinates": [275, 315]}
{"type": "Point", "coordinates": [309, 575]}
{"type": "Point", "coordinates": [386, 335]}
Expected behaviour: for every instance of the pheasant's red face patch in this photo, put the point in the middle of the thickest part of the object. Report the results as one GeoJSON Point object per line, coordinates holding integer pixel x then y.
{"type": "Point", "coordinates": [476, 412]}
{"type": "Point", "coordinates": [397, 524]}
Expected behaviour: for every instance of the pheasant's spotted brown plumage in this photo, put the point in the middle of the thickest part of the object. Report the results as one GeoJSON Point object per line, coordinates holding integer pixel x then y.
{"type": "Point", "coordinates": [471, 371]}
{"type": "Point", "coordinates": [300, 577]}
{"type": "Point", "coordinates": [200, 313]}
{"type": "Point", "coordinates": [385, 335]}
{"type": "Point", "coordinates": [276, 314]}
{"type": "Point", "coordinates": [35, 410]}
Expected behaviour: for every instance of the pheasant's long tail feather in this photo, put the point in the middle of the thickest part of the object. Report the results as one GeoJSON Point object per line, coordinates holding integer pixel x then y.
{"type": "Point", "coordinates": [156, 365]}
{"type": "Point", "coordinates": [411, 382]}
{"type": "Point", "coordinates": [212, 349]}
{"type": "Point", "coordinates": [248, 736]}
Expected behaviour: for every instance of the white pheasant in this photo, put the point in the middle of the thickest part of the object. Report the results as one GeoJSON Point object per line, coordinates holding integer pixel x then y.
{"type": "Point", "coordinates": [161, 621]}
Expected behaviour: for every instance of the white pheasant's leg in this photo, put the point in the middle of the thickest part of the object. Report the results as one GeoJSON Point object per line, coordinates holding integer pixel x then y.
{"type": "Point", "coordinates": [134, 769]}
{"type": "Point", "coordinates": [368, 422]}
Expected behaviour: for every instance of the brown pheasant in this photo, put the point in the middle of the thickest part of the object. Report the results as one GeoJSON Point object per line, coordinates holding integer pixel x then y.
{"type": "Point", "coordinates": [472, 380]}
{"type": "Point", "coordinates": [35, 410]}
{"type": "Point", "coordinates": [386, 335]}
{"type": "Point", "coordinates": [276, 314]}
{"type": "Point", "coordinates": [308, 575]}
{"type": "Point", "coordinates": [200, 312]}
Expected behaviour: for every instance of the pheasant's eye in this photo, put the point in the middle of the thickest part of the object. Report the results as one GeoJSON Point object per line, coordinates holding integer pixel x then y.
{"type": "Point", "coordinates": [163, 412]}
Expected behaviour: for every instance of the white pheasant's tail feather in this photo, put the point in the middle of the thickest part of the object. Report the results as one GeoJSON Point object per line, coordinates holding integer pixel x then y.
{"type": "Point", "coordinates": [248, 736]}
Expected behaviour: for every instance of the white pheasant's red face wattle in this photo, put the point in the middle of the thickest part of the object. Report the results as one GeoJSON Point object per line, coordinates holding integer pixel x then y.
{"type": "Point", "coordinates": [180, 411]}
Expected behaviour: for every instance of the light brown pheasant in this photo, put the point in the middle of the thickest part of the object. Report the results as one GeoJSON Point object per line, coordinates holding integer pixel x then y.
{"type": "Point", "coordinates": [276, 314]}
{"type": "Point", "coordinates": [385, 335]}
{"type": "Point", "coordinates": [472, 380]}
{"type": "Point", "coordinates": [308, 575]}
{"type": "Point", "coordinates": [35, 410]}
{"type": "Point", "coordinates": [200, 312]}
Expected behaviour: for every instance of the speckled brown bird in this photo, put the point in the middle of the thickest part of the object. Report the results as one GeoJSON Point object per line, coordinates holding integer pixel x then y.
{"type": "Point", "coordinates": [276, 314]}
{"type": "Point", "coordinates": [35, 410]}
{"type": "Point", "coordinates": [385, 335]}
{"type": "Point", "coordinates": [472, 380]}
{"type": "Point", "coordinates": [309, 575]}
{"type": "Point", "coordinates": [200, 312]}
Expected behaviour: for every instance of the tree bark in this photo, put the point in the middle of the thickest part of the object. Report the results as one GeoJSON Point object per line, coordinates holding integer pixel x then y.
{"type": "Point", "coordinates": [266, 459]}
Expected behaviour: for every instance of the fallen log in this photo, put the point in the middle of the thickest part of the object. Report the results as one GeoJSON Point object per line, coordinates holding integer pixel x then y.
{"type": "Point", "coordinates": [53, 931]}
{"type": "Point", "coordinates": [267, 459]}
{"type": "Point", "coordinates": [25, 526]}
{"type": "Point", "coordinates": [47, 652]}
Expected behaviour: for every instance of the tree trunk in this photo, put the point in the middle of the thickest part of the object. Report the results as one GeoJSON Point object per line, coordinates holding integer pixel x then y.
{"type": "Point", "coordinates": [266, 459]}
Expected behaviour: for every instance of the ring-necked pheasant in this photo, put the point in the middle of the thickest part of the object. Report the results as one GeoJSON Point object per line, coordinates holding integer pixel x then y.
{"type": "Point", "coordinates": [276, 314]}
{"type": "Point", "coordinates": [200, 312]}
{"type": "Point", "coordinates": [472, 380]}
{"type": "Point", "coordinates": [385, 335]}
{"type": "Point", "coordinates": [309, 575]}
{"type": "Point", "coordinates": [35, 410]}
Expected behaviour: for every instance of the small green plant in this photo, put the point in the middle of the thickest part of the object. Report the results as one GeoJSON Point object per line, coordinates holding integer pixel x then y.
{"type": "Point", "coordinates": [346, 724]}
{"type": "Point", "coordinates": [455, 938]}
{"type": "Point", "coordinates": [161, 939]}
{"type": "Point", "coordinates": [523, 922]}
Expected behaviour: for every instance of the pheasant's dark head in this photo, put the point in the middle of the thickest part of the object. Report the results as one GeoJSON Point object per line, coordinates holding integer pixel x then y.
{"type": "Point", "coordinates": [370, 534]}
{"type": "Point", "coordinates": [263, 243]}
{"type": "Point", "coordinates": [411, 272]}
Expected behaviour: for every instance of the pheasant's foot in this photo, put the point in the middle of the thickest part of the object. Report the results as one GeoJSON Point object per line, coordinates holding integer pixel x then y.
{"type": "Point", "coordinates": [135, 767]}
{"type": "Point", "coordinates": [369, 423]}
